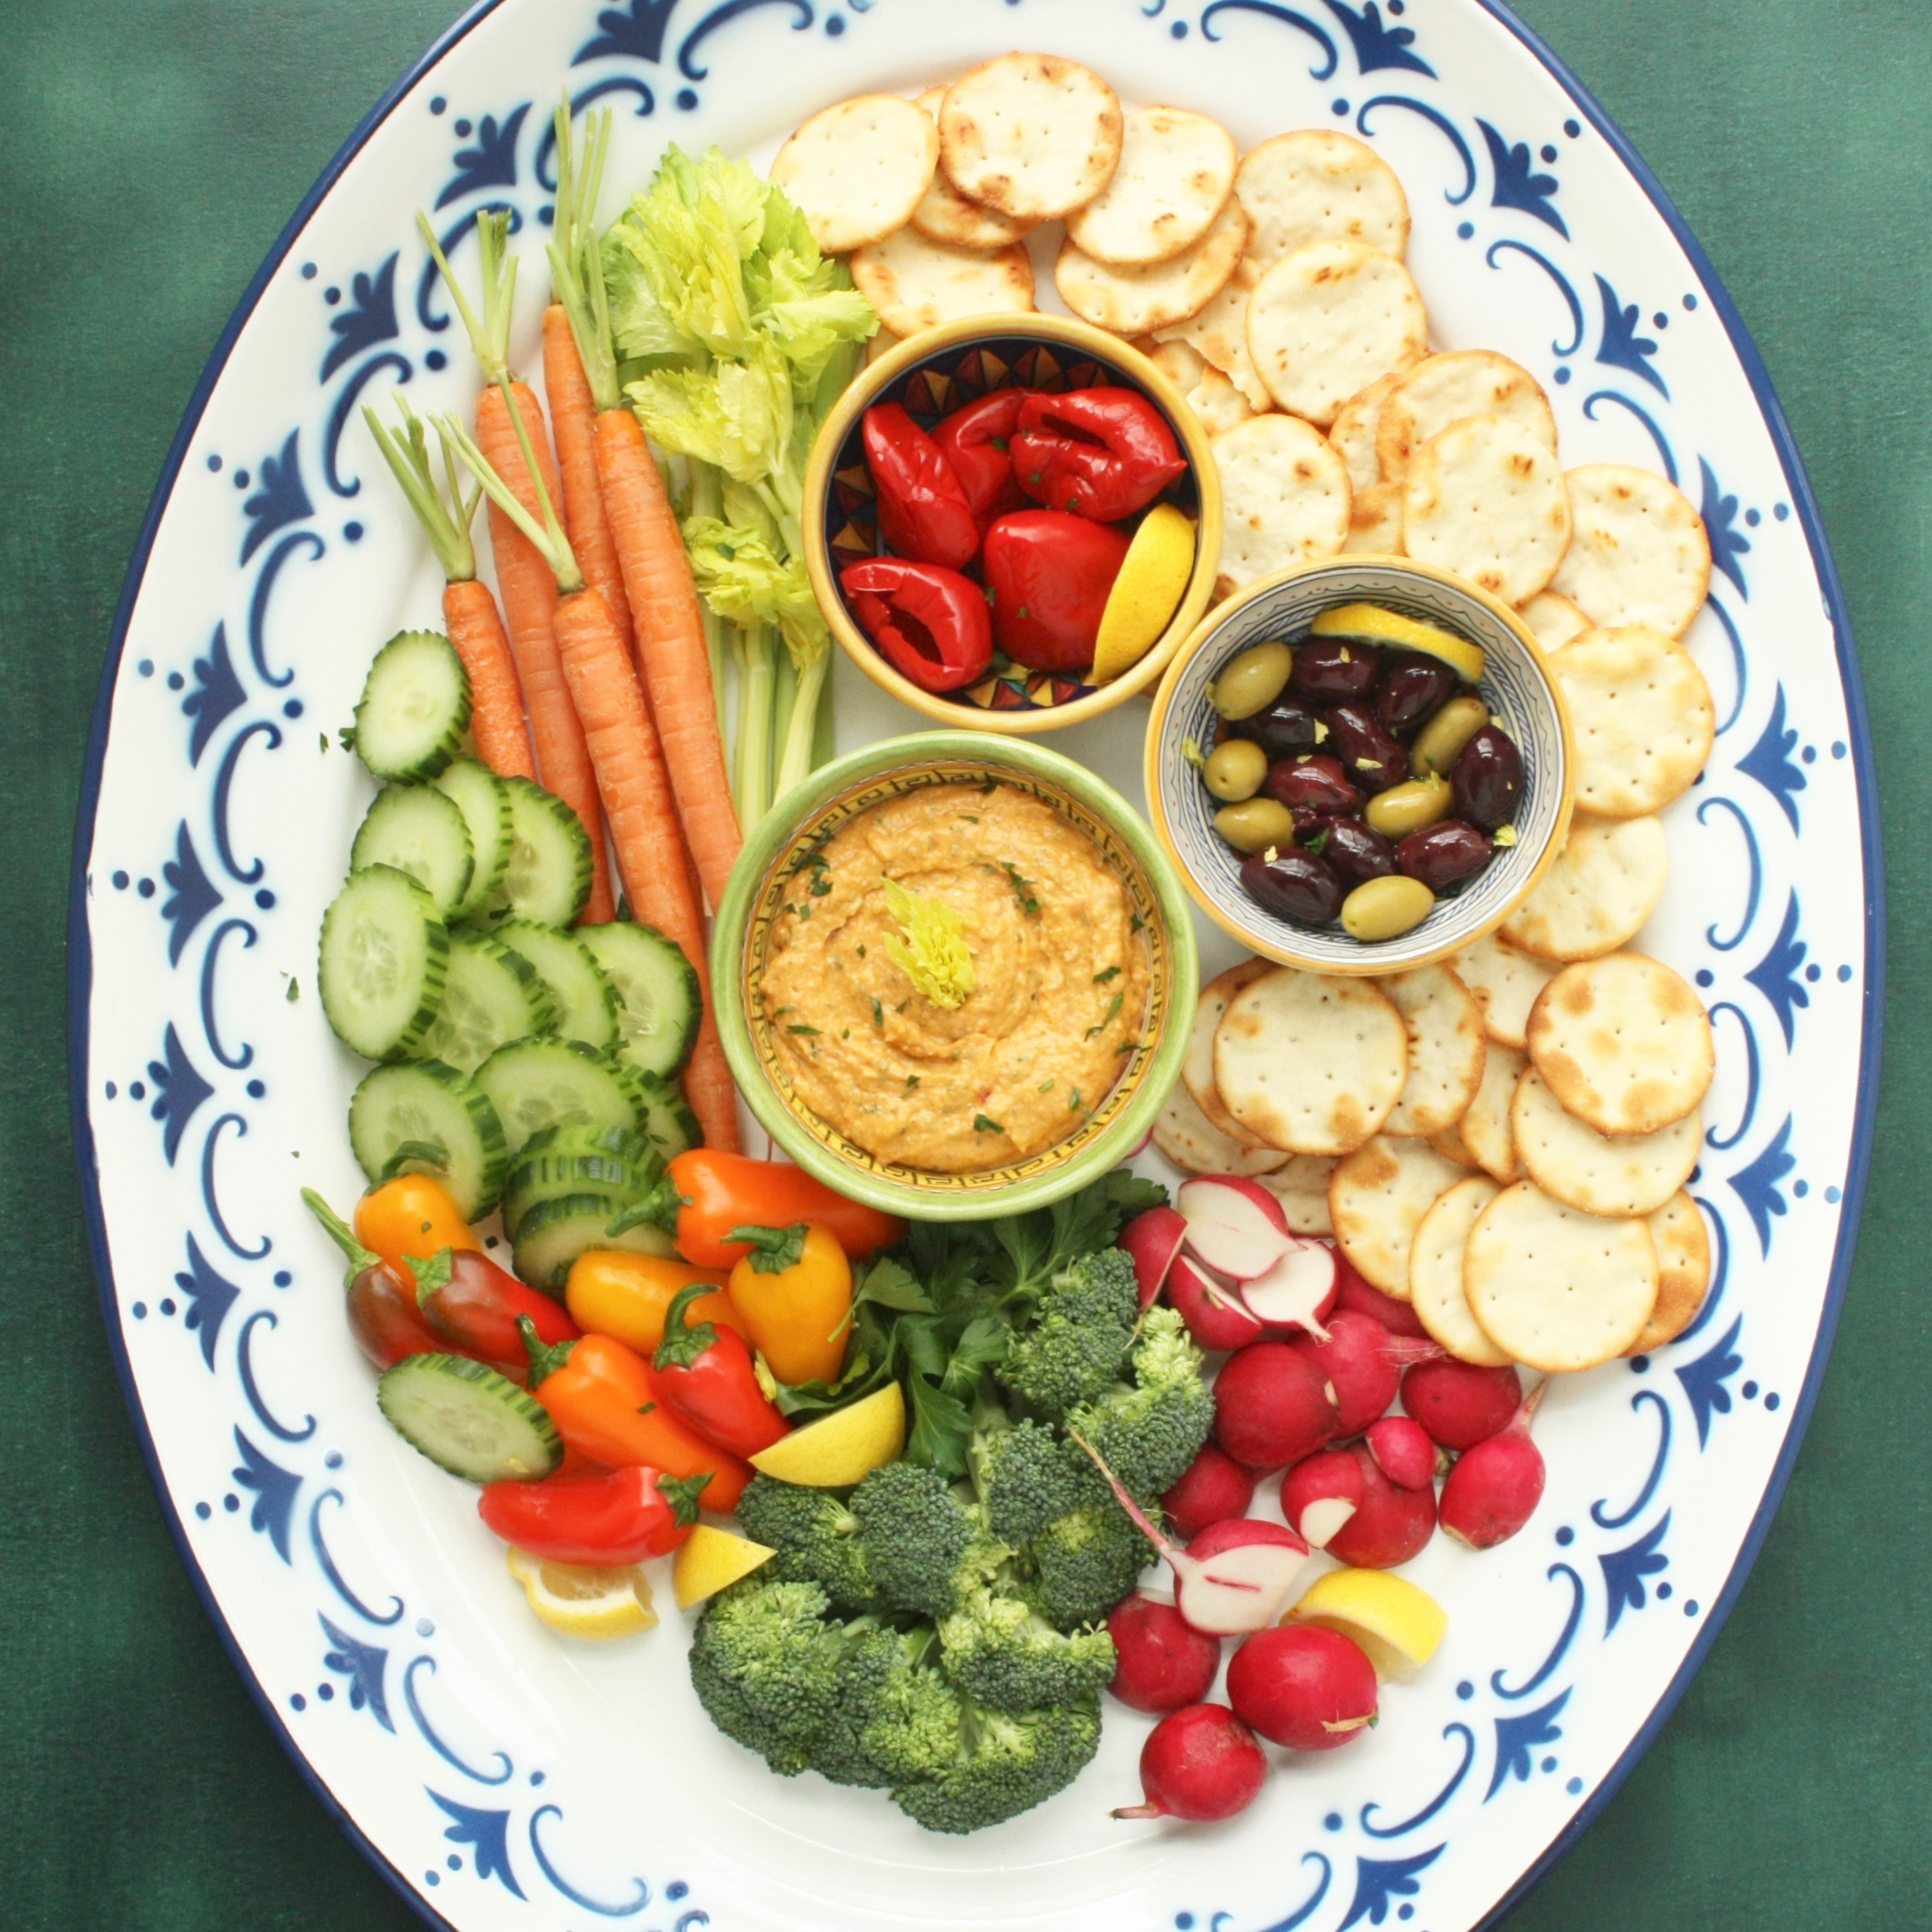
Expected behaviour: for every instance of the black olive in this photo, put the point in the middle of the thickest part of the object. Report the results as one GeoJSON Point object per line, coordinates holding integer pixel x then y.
{"type": "Point", "coordinates": [1292, 884]}
{"type": "Point", "coordinates": [1354, 852]}
{"type": "Point", "coordinates": [1333, 669]}
{"type": "Point", "coordinates": [1487, 779]}
{"type": "Point", "coordinates": [1412, 688]}
{"type": "Point", "coordinates": [1443, 855]}
{"type": "Point", "coordinates": [1318, 782]}
{"type": "Point", "coordinates": [1372, 759]}
{"type": "Point", "coordinates": [1285, 728]}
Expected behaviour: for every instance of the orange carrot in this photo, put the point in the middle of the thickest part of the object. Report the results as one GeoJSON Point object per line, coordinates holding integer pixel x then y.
{"type": "Point", "coordinates": [573, 420]}
{"type": "Point", "coordinates": [495, 704]}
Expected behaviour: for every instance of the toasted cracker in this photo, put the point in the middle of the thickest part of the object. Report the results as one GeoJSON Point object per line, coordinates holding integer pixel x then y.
{"type": "Point", "coordinates": [1442, 389]}
{"type": "Point", "coordinates": [1179, 361]}
{"type": "Point", "coordinates": [1284, 497]}
{"type": "Point", "coordinates": [1638, 551]}
{"type": "Point", "coordinates": [1031, 136]}
{"type": "Point", "coordinates": [1315, 184]}
{"type": "Point", "coordinates": [1435, 1272]}
{"type": "Point", "coordinates": [1195, 1145]}
{"type": "Point", "coordinates": [1444, 1026]}
{"type": "Point", "coordinates": [1683, 1272]}
{"type": "Point", "coordinates": [1176, 171]}
{"type": "Point", "coordinates": [1623, 1042]}
{"type": "Point", "coordinates": [1356, 426]}
{"type": "Point", "coordinates": [1485, 499]}
{"type": "Point", "coordinates": [1553, 621]}
{"type": "Point", "coordinates": [1375, 520]}
{"type": "Point", "coordinates": [1598, 893]}
{"type": "Point", "coordinates": [857, 170]}
{"type": "Point", "coordinates": [1301, 1187]}
{"type": "Point", "coordinates": [1558, 1289]}
{"type": "Point", "coordinates": [1601, 1174]}
{"type": "Point", "coordinates": [1641, 718]}
{"type": "Point", "coordinates": [1451, 1146]}
{"type": "Point", "coordinates": [1310, 1062]}
{"type": "Point", "coordinates": [1505, 982]}
{"type": "Point", "coordinates": [1197, 1066]}
{"type": "Point", "coordinates": [1217, 402]}
{"type": "Point", "coordinates": [914, 283]}
{"type": "Point", "coordinates": [1137, 301]}
{"type": "Point", "coordinates": [945, 214]}
{"type": "Point", "coordinates": [1485, 1124]}
{"type": "Point", "coordinates": [1326, 321]}
{"type": "Point", "coordinates": [882, 342]}
{"type": "Point", "coordinates": [1377, 1198]}
{"type": "Point", "coordinates": [1219, 333]}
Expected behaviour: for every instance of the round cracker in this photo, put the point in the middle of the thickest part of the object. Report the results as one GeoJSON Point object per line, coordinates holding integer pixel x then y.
{"type": "Point", "coordinates": [858, 169]}
{"type": "Point", "coordinates": [1176, 171]}
{"type": "Point", "coordinates": [1683, 1272]}
{"type": "Point", "coordinates": [1374, 519]}
{"type": "Point", "coordinates": [1301, 1187]}
{"type": "Point", "coordinates": [1641, 718]}
{"type": "Point", "coordinates": [1444, 1025]}
{"type": "Point", "coordinates": [1377, 1198]}
{"type": "Point", "coordinates": [1136, 301]}
{"type": "Point", "coordinates": [1030, 135]}
{"type": "Point", "coordinates": [1598, 893]}
{"type": "Point", "coordinates": [1451, 1146]}
{"type": "Point", "coordinates": [1626, 1174]}
{"type": "Point", "coordinates": [1485, 499]}
{"type": "Point", "coordinates": [1354, 431]}
{"type": "Point", "coordinates": [1194, 1143]}
{"type": "Point", "coordinates": [1284, 497]}
{"type": "Point", "coordinates": [1505, 982]}
{"type": "Point", "coordinates": [1435, 1272]}
{"type": "Point", "coordinates": [1558, 1289]}
{"type": "Point", "coordinates": [1314, 184]}
{"type": "Point", "coordinates": [914, 283]}
{"type": "Point", "coordinates": [1217, 402]}
{"type": "Point", "coordinates": [1485, 1124]}
{"type": "Point", "coordinates": [1623, 1042]}
{"type": "Point", "coordinates": [1311, 1062]}
{"type": "Point", "coordinates": [1197, 1065]}
{"type": "Point", "coordinates": [1638, 551]}
{"type": "Point", "coordinates": [1219, 333]}
{"type": "Point", "coordinates": [1326, 321]}
{"type": "Point", "coordinates": [1442, 389]}
{"type": "Point", "coordinates": [1554, 621]}
{"type": "Point", "coordinates": [945, 214]}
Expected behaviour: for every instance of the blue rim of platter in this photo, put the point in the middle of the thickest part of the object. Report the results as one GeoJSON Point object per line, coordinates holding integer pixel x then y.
{"type": "Point", "coordinates": [80, 953]}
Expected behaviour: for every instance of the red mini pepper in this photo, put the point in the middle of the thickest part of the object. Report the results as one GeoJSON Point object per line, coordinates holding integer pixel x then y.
{"type": "Point", "coordinates": [923, 512]}
{"type": "Point", "coordinates": [977, 441]}
{"type": "Point", "coordinates": [620, 1517]}
{"type": "Point", "coordinates": [1050, 573]}
{"type": "Point", "coordinates": [380, 1303]}
{"type": "Point", "coordinates": [1103, 453]}
{"type": "Point", "coordinates": [929, 623]}
{"type": "Point", "coordinates": [474, 1305]}
{"type": "Point", "coordinates": [718, 1192]}
{"type": "Point", "coordinates": [703, 1375]}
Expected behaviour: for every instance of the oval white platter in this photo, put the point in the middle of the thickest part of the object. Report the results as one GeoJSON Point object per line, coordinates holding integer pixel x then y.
{"type": "Point", "coordinates": [500, 1777]}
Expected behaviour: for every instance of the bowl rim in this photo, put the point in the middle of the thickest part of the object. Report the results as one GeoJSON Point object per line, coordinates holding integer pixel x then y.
{"type": "Point", "coordinates": [1211, 625]}
{"type": "Point", "coordinates": [864, 389]}
{"type": "Point", "coordinates": [731, 933]}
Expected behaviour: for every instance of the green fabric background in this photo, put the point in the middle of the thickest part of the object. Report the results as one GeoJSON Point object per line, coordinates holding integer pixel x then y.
{"type": "Point", "coordinates": [150, 151]}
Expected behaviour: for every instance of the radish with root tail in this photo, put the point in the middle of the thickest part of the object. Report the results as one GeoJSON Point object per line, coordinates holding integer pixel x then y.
{"type": "Point", "coordinates": [1494, 1489]}
{"type": "Point", "coordinates": [1201, 1763]}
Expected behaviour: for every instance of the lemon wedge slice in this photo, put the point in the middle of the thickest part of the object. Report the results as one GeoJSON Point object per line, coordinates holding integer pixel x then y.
{"type": "Point", "coordinates": [1398, 1624]}
{"type": "Point", "coordinates": [709, 1559]}
{"type": "Point", "coordinates": [1374, 625]}
{"type": "Point", "coordinates": [580, 1601]}
{"type": "Point", "coordinates": [840, 1448]}
{"type": "Point", "coordinates": [1146, 594]}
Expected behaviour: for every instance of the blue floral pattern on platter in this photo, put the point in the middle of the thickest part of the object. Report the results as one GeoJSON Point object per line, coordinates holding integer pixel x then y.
{"type": "Point", "coordinates": [461, 1743]}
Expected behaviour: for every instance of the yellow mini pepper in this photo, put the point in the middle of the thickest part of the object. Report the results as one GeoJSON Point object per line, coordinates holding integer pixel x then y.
{"type": "Point", "coordinates": [610, 1291]}
{"type": "Point", "coordinates": [794, 1291]}
{"type": "Point", "coordinates": [413, 1214]}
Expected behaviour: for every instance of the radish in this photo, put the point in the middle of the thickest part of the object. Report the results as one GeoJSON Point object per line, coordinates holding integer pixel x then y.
{"type": "Point", "coordinates": [1403, 1451]}
{"type": "Point", "coordinates": [1355, 1355]}
{"type": "Point", "coordinates": [1201, 1763]}
{"type": "Point", "coordinates": [1459, 1404]}
{"type": "Point", "coordinates": [1352, 1290]}
{"type": "Point", "coordinates": [1320, 1494]}
{"type": "Point", "coordinates": [1390, 1524]}
{"type": "Point", "coordinates": [1305, 1687]}
{"type": "Point", "coordinates": [1212, 1307]}
{"type": "Point", "coordinates": [1273, 1405]}
{"type": "Point", "coordinates": [1298, 1292]}
{"type": "Point", "coordinates": [1161, 1661]}
{"type": "Point", "coordinates": [1235, 1225]}
{"type": "Point", "coordinates": [1494, 1489]}
{"type": "Point", "coordinates": [1213, 1487]}
{"type": "Point", "coordinates": [1153, 1239]}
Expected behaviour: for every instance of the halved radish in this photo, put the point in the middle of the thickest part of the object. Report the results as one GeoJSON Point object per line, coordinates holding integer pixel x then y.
{"type": "Point", "coordinates": [1321, 1493]}
{"type": "Point", "coordinates": [1299, 1290]}
{"type": "Point", "coordinates": [1233, 1225]}
{"type": "Point", "coordinates": [1153, 1239]}
{"type": "Point", "coordinates": [1212, 1307]}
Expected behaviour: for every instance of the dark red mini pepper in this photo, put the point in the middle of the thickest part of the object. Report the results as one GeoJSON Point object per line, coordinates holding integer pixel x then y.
{"type": "Point", "coordinates": [923, 512]}
{"type": "Point", "coordinates": [473, 1305]}
{"type": "Point", "coordinates": [930, 623]}
{"type": "Point", "coordinates": [602, 1521]}
{"type": "Point", "coordinates": [703, 1375]}
{"type": "Point", "coordinates": [1050, 573]}
{"type": "Point", "coordinates": [379, 1302]}
{"type": "Point", "coordinates": [1103, 453]}
{"type": "Point", "coordinates": [977, 441]}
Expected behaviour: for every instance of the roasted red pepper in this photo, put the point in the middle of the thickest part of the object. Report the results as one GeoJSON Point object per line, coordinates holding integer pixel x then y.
{"type": "Point", "coordinates": [380, 1303]}
{"type": "Point", "coordinates": [1103, 453]}
{"type": "Point", "coordinates": [718, 1192]}
{"type": "Point", "coordinates": [1050, 573]}
{"type": "Point", "coordinates": [977, 441]}
{"type": "Point", "coordinates": [603, 1521]}
{"type": "Point", "coordinates": [923, 512]}
{"type": "Point", "coordinates": [929, 623]}
{"type": "Point", "coordinates": [703, 1375]}
{"type": "Point", "coordinates": [473, 1305]}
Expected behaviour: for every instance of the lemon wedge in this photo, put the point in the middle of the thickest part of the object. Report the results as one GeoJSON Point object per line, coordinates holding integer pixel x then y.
{"type": "Point", "coordinates": [1372, 623]}
{"type": "Point", "coordinates": [709, 1559]}
{"type": "Point", "coordinates": [1146, 594]}
{"type": "Point", "coordinates": [840, 1448]}
{"type": "Point", "coordinates": [1396, 1624]}
{"type": "Point", "coordinates": [584, 1602]}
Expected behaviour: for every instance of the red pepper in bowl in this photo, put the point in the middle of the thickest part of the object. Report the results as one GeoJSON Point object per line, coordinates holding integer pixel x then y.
{"type": "Point", "coordinates": [1103, 453]}
{"type": "Point", "coordinates": [930, 623]}
{"type": "Point", "coordinates": [976, 440]}
{"type": "Point", "coordinates": [602, 1521]}
{"type": "Point", "coordinates": [923, 513]}
{"type": "Point", "coordinates": [1050, 573]}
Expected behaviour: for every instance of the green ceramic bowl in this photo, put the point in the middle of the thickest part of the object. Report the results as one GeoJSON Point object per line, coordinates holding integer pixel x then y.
{"type": "Point", "coordinates": [757, 890]}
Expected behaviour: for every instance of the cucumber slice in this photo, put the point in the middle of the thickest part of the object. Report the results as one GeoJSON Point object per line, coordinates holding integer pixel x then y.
{"type": "Point", "coordinates": [468, 1419]}
{"type": "Point", "coordinates": [491, 996]}
{"type": "Point", "coordinates": [657, 992]}
{"type": "Point", "coordinates": [586, 1001]}
{"type": "Point", "coordinates": [558, 1161]}
{"type": "Point", "coordinates": [383, 955]}
{"type": "Point", "coordinates": [478, 794]}
{"type": "Point", "coordinates": [554, 1233]}
{"type": "Point", "coordinates": [417, 830]}
{"type": "Point", "coordinates": [535, 1084]}
{"type": "Point", "coordinates": [415, 707]}
{"type": "Point", "coordinates": [547, 876]}
{"type": "Point", "coordinates": [666, 1123]}
{"type": "Point", "coordinates": [422, 1116]}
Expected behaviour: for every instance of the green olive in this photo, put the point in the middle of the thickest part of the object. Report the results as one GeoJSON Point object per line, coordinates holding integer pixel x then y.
{"type": "Point", "coordinates": [1251, 680]}
{"type": "Point", "coordinates": [1235, 769]}
{"type": "Point", "coordinates": [1445, 734]}
{"type": "Point", "coordinates": [1387, 907]}
{"type": "Point", "coordinates": [1409, 807]}
{"type": "Point", "coordinates": [1255, 824]}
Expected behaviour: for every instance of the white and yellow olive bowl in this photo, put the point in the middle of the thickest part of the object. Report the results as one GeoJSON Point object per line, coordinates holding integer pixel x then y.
{"type": "Point", "coordinates": [756, 891]}
{"type": "Point", "coordinates": [934, 372]}
{"type": "Point", "coordinates": [1517, 685]}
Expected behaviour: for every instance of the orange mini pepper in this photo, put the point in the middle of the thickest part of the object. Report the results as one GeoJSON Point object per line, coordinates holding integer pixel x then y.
{"type": "Point", "coordinates": [794, 1289]}
{"type": "Point", "coordinates": [413, 1214]}
{"type": "Point", "coordinates": [611, 1291]}
{"type": "Point", "coordinates": [719, 1192]}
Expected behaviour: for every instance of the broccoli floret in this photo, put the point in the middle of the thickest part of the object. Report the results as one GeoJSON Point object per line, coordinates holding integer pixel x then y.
{"type": "Point", "coordinates": [1148, 1434]}
{"type": "Point", "coordinates": [914, 1731]}
{"type": "Point", "coordinates": [1001, 1651]}
{"type": "Point", "coordinates": [817, 1538]}
{"type": "Point", "coordinates": [766, 1666]}
{"type": "Point", "coordinates": [1080, 1336]}
{"type": "Point", "coordinates": [916, 1532]}
{"type": "Point", "coordinates": [1023, 1476]}
{"type": "Point", "coordinates": [1003, 1763]}
{"type": "Point", "coordinates": [874, 1654]}
{"type": "Point", "coordinates": [1084, 1562]}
